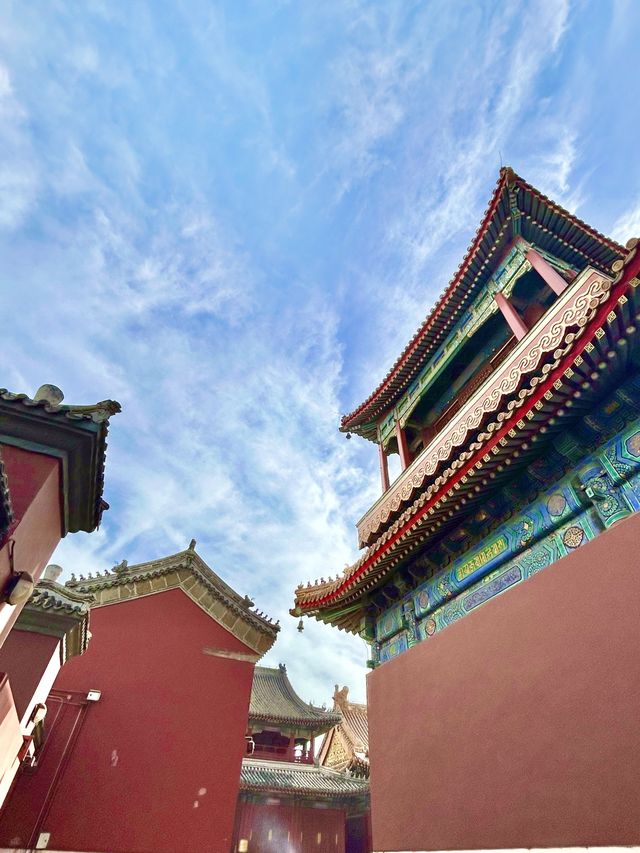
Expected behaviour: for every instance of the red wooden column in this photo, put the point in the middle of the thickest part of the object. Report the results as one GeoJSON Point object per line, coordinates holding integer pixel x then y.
{"type": "Point", "coordinates": [515, 321]}
{"type": "Point", "coordinates": [384, 468]}
{"type": "Point", "coordinates": [291, 750]}
{"type": "Point", "coordinates": [403, 447]}
{"type": "Point", "coordinates": [547, 272]}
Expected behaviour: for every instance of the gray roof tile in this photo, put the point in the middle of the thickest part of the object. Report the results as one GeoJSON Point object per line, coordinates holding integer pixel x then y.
{"type": "Point", "coordinates": [274, 699]}
{"type": "Point", "coordinates": [280, 776]}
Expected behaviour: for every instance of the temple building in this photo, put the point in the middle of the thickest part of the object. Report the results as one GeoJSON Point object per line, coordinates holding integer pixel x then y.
{"type": "Point", "coordinates": [141, 747]}
{"type": "Point", "coordinates": [346, 746]}
{"type": "Point", "coordinates": [497, 585]}
{"type": "Point", "coordinates": [288, 803]}
{"type": "Point", "coordinates": [52, 461]}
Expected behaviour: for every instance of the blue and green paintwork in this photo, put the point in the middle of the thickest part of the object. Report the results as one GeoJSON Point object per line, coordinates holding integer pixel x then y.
{"type": "Point", "coordinates": [591, 483]}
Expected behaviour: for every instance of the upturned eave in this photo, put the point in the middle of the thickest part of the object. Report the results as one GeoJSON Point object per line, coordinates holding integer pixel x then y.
{"type": "Point", "coordinates": [77, 436]}
{"type": "Point", "coordinates": [274, 701]}
{"type": "Point", "coordinates": [288, 779]}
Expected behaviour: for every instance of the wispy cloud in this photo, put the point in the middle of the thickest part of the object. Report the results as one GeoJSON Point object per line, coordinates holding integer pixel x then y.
{"type": "Point", "coordinates": [628, 224]}
{"type": "Point", "coordinates": [471, 114]}
{"type": "Point", "coordinates": [19, 180]}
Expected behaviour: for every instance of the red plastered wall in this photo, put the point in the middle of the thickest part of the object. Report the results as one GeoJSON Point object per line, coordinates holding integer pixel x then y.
{"type": "Point", "coordinates": [155, 764]}
{"type": "Point", "coordinates": [25, 657]}
{"type": "Point", "coordinates": [517, 726]}
{"type": "Point", "coordinates": [34, 484]}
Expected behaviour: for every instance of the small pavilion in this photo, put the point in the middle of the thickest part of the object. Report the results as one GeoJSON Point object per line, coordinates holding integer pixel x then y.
{"type": "Point", "coordinates": [288, 802]}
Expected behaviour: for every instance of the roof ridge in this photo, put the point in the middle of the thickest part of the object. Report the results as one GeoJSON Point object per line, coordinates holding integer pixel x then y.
{"type": "Point", "coordinates": [295, 696]}
{"type": "Point", "coordinates": [98, 412]}
{"type": "Point", "coordinates": [187, 560]}
{"type": "Point", "coordinates": [613, 244]}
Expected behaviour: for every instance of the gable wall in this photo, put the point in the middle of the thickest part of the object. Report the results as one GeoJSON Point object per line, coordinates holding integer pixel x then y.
{"type": "Point", "coordinates": [163, 745]}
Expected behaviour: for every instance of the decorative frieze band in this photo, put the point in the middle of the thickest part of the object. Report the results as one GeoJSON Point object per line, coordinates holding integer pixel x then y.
{"type": "Point", "coordinates": [570, 311]}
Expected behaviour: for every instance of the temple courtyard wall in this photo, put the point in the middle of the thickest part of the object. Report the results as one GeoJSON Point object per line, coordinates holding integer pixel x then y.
{"type": "Point", "coordinates": [517, 726]}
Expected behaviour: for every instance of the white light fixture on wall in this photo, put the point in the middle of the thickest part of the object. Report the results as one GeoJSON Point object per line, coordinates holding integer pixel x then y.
{"type": "Point", "coordinates": [19, 585]}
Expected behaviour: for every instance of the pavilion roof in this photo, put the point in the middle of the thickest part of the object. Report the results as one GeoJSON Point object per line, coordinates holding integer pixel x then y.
{"type": "Point", "coordinates": [515, 208]}
{"type": "Point", "coordinates": [354, 721]}
{"type": "Point", "coordinates": [273, 699]}
{"type": "Point", "coordinates": [76, 434]}
{"type": "Point", "coordinates": [581, 364]}
{"type": "Point", "coordinates": [352, 731]}
{"type": "Point", "coordinates": [185, 570]}
{"type": "Point", "coordinates": [283, 777]}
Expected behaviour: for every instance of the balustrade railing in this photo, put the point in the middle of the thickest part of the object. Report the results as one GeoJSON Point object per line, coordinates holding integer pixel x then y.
{"type": "Point", "coordinates": [281, 753]}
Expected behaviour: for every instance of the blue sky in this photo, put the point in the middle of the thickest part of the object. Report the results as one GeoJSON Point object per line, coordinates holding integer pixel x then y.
{"type": "Point", "coordinates": [231, 217]}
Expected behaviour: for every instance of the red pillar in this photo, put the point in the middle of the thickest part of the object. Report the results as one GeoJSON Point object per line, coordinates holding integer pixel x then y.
{"type": "Point", "coordinates": [291, 750]}
{"type": "Point", "coordinates": [547, 272]}
{"type": "Point", "coordinates": [403, 447]}
{"type": "Point", "coordinates": [515, 321]}
{"type": "Point", "coordinates": [384, 468]}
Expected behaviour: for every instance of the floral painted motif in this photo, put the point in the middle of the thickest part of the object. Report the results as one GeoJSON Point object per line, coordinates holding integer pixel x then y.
{"type": "Point", "coordinates": [556, 504]}
{"type": "Point", "coordinates": [573, 536]}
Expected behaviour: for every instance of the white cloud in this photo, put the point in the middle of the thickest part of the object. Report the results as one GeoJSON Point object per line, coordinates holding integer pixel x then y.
{"type": "Point", "coordinates": [230, 405]}
{"type": "Point", "coordinates": [627, 225]}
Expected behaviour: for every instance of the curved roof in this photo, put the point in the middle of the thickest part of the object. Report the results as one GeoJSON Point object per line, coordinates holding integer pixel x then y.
{"type": "Point", "coordinates": [284, 777]}
{"type": "Point", "coordinates": [56, 611]}
{"type": "Point", "coordinates": [354, 723]}
{"type": "Point", "coordinates": [515, 208]}
{"type": "Point", "coordinates": [445, 495]}
{"type": "Point", "coordinates": [273, 699]}
{"type": "Point", "coordinates": [77, 434]}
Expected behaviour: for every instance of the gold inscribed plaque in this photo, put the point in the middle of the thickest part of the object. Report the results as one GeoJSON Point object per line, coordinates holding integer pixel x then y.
{"type": "Point", "coordinates": [481, 558]}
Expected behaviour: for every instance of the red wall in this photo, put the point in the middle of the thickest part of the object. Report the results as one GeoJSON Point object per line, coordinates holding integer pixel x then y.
{"type": "Point", "coordinates": [517, 726]}
{"type": "Point", "coordinates": [25, 657]}
{"type": "Point", "coordinates": [358, 834]}
{"type": "Point", "coordinates": [156, 762]}
{"type": "Point", "coordinates": [34, 484]}
{"type": "Point", "coordinates": [10, 734]}
{"type": "Point", "coordinates": [292, 827]}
